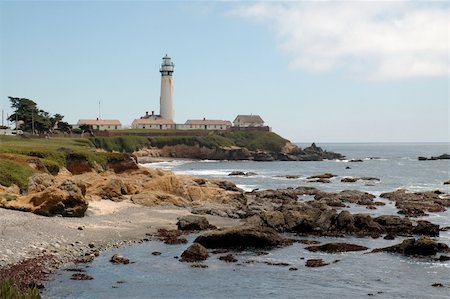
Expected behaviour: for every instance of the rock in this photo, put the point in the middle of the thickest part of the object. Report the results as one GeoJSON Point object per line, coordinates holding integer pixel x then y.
{"type": "Point", "coordinates": [157, 198]}
{"type": "Point", "coordinates": [444, 258]}
{"type": "Point", "coordinates": [349, 180]}
{"type": "Point", "coordinates": [156, 253]}
{"type": "Point", "coordinates": [315, 263]}
{"type": "Point", "coordinates": [81, 276]}
{"type": "Point", "coordinates": [415, 204]}
{"type": "Point", "coordinates": [355, 160]}
{"type": "Point", "coordinates": [229, 258]}
{"type": "Point", "coordinates": [423, 246]}
{"type": "Point", "coordinates": [437, 285]}
{"type": "Point", "coordinates": [175, 241]}
{"type": "Point", "coordinates": [324, 181]}
{"type": "Point", "coordinates": [348, 167]}
{"type": "Point", "coordinates": [59, 201]}
{"type": "Point", "coordinates": [308, 242]}
{"type": "Point", "coordinates": [198, 265]}
{"type": "Point", "coordinates": [39, 182]}
{"type": "Point", "coordinates": [91, 245]}
{"type": "Point", "coordinates": [277, 264]}
{"type": "Point", "coordinates": [243, 237]}
{"type": "Point", "coordinates": [85, 259]}
{"type": "Point", "coordinates": [336, 247]}
{"type": "Point", "coordinates": [293, 269]}
{"type": "Point", "coordinates": [322, 176]}
{"type": "Point", "coordinates": [346, 196]}
{"type": "Point", "coordinates": [389, 237]}
{"type": "Point", "coordinates": [227, 185]}
{"type": "Point", "coordinates": [192, 222]}
{"type": "Point", "coordinates": [427, 228]}
{"type": "Point", "coordinates": [237, 173]}
{"type": "Point", "coordinates": [274, 219]}
{"type": "Point", "coordinates": [394, 224]}
{"type": "Point", "coordinates": [122, 164]}
{"type": "Point", "coordinates": [447, 182]}
{"type": "Point", "coordinates": [114, 190]}
{"type": "Point", "coordinates": [441, 157]}
{"type": "Point", "coordinates": [194, 253]}
{"type": "Point", "coordinates": [118, 259]}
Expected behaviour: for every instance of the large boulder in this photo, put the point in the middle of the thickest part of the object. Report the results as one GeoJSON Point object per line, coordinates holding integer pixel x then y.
{"type": "Point", "coordinates": [245, 236]}
{"type": "Point", "coordinates": [196, 252]}
{"type": "Point", "coordinates": [39, 182]}
{"type": "Point", "coordinates": [192, 222]}
{"type": "Point", "coordinates": [423, 246]}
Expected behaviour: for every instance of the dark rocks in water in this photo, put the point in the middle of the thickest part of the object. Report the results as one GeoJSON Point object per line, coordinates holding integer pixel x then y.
{"type": "Point", "coordinates": [293, 269]}
{"type": "Point", "coordinates": [306, 190]}
{"type": "Point", "coordinates": [243, 237]}
{"type": "Point", "coordinates": [322, 176]}
{"type": "Point", "coordinates": [81, 276]}
{"type": "Point", "coordinates": [241, 173]}
{"type": "Point", "coordinates": [349, 180]}
{"type": "Point", "coordinates": [277, 264]}
{"type": "Point", "coordinates": [441, 157]}
{"type": "Point", "coordinates": [437, 285]}
{"type": "Point", "coordinates": [389, 237]}
{"type": "Point", "coordinates": [156, 253]}
{"type": "Point", "coordinates": [175, 241]}
{"type": "Point", "coordinates": [194, 253]}
{"type": "Point", "coordinates": [423, 246]}
{"type": "Point", "coordinates": [416, 204]}
{"type": "Point", "coordinates": [353, 179]}
{"type": "Point", "coordinates": [355, 160]}
{"type": "Point", "coordinates": [118, 259]}
{"type": "Point", "coordinates": [425, 227]}
{"type": "Point", "coordinates": [192, 222]}
{"type": "Point", "coordinates": [227, 185]}
{"type": "Point", "coordinates": [170, 237]}
{"type": "Point", "coordinates": [198, 265]}
{"type": "Point", "coordinates": [348, 167]}
{"type": "Point", "coordinates": [229, 258]}
{"type": "Point", "coordinates": [346, 196]}
{"type": "Point", "coordinates": [444, 258]}
{"type": "Point", "coordinates": [314, 263]}
{"type": "Point", "coordinates": [324, 181]}
{"type": "Point", "coordinates": [308, 242]}
{"type": "Point", "coordinates": [336, 247]}
{"type": "Point", "coordinates": [219, 251]}
{"type": "Point", "coordinates": [447, 182]}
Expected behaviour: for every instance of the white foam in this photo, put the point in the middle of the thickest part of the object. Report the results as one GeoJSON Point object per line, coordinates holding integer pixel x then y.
{"type": "Point", "coordinates": [247, 188]}
{"type": "Point", "coordinates": [166, 165]}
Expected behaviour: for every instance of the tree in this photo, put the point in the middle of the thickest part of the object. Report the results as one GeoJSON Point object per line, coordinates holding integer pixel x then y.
{"type": "Point", "coordinates": [64, 127]}
{"type": "Point", "coordinates": [34, 120]}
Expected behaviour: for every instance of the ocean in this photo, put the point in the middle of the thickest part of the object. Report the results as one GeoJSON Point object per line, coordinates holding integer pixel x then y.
{"type": "Point", "coordinates": [354, 275]}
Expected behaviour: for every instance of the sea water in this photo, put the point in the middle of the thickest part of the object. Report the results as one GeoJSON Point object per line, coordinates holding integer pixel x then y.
{"type": "Point", "coordinates": [349, 275]}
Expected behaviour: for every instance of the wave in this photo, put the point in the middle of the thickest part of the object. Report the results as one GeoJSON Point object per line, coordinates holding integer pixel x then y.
{"type": "Point", "coordinates": [166, 165]}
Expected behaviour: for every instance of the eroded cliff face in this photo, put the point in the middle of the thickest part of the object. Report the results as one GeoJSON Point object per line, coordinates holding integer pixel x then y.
{"type": "Point", "coordinates": [68, 195]}
{"type": "Point", "coordinates": [289, 152]}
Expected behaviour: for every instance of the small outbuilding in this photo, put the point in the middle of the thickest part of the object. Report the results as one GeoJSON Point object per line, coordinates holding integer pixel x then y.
{"type": "Point", "coordinates": [205, 124]}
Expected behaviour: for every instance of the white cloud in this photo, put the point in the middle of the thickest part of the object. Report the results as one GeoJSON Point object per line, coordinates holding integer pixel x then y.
{"type": "Point", "coordinates": [375, 40]}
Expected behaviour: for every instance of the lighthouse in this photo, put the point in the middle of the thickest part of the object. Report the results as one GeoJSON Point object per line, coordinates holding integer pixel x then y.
{"type": "Point", "coordinates": [166, 99]}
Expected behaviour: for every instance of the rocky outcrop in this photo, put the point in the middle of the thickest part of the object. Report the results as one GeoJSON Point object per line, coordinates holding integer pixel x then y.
{"type": "Point", "coordinates": [347, 196]}
{"type": "Point", "coordinates": [243, 237]}
{"type": "Point", "coordinates": [415, 204]}
{"type": "Point", "coordinates": [355, 179]}
{"type": "Point", "coordinates": [423, 246]}
{"type": "Point", "coordinates": [314, 263]}
{"type": "Point", "coordinates": [192, 222]}
{"type": "Point", "coordinates": [118, 259]}
{"type": "Point", "coordinates": [195, 253]}
{"type": "Point", "coordinates": [336, 247]}
{"type": "Point", "coordinates": [125, 163]}
{"type": "Point", "coordinates": [66, 199]}
{"type": "Point", "coordinates": [441, 157]}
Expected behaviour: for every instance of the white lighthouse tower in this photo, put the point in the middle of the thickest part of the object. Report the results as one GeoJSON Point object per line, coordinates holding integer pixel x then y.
{"type": "Point", "coordinates": [166, 101]}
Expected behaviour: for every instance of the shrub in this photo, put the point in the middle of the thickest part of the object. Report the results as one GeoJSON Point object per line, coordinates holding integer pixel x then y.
{"type": "Point", "coordinates": [9, 291]}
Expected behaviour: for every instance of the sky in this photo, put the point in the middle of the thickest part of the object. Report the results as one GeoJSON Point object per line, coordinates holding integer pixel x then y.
{"type": "Point", "coordinates": [318, 71]}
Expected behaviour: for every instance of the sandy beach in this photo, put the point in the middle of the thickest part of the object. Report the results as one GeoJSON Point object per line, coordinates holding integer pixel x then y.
{"type": "Point", "coordinates": [106, 224]}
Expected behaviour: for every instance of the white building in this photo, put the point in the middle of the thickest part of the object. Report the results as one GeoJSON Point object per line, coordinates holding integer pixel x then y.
{"type": "Point", "coordinates": [205, 124]}
{"type": "Point", "coordinates": [153, 123]}
{"type": "Point", "coordinates": [166, 98]}
{"type": "Point", "coordinates": [101, 124]}
{"type": "Point", "coordinates": [248, 121]}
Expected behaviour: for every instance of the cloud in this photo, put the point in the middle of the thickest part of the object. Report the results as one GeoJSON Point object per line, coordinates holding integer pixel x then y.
{"type": "Point", "coordinates": [374, 40]}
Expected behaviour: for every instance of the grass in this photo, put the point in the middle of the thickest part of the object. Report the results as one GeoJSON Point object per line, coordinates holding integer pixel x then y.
{"type": "Point", "coordinates": [9, 291]}
{"type": "Point", "coordinates": [12, 172]}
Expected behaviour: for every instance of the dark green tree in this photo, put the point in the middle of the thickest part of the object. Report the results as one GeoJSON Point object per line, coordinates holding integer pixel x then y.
{"type": "Point", "coordinates": [64, 127]}
{"type": "Point", "coordinates": [27, 112]}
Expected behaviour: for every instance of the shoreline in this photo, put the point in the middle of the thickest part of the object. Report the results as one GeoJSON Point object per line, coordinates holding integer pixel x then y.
{"type": "Point", "coordinates": [43, 245]}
